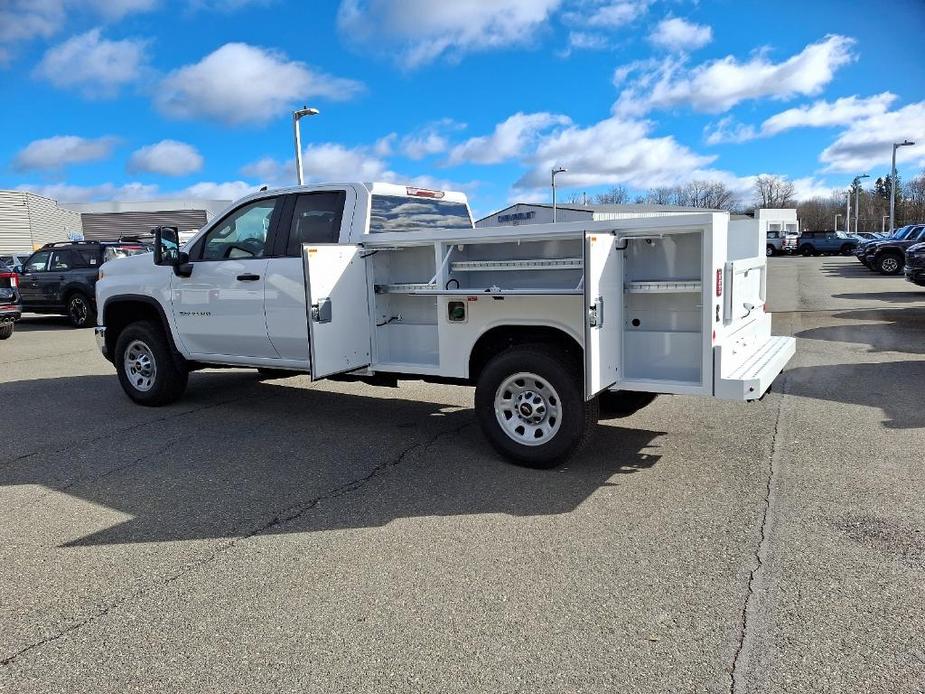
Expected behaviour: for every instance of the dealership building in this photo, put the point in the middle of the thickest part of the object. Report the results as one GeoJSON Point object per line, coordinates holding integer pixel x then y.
{"type": "Point", "coordinates": [28, 220]}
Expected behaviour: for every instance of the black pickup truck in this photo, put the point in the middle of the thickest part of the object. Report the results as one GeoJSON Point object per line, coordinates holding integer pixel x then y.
{"type": "Point", "coordinates": [61, 277]}
{"type": "Point", "coordinates": [888, 256]}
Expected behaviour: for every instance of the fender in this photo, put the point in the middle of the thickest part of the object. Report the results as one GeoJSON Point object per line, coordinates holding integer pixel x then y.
{"type": "Point", "coordinates": [149, 301]}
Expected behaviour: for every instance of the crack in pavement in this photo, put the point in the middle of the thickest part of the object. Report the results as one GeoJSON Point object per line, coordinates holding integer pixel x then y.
{"type": "Point", "coordinates": [751, 608]}
{"type": "Point", "coordinates": [279, 519]}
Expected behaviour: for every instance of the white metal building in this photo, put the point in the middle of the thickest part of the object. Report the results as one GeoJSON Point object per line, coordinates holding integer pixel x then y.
{"type": "Point", "coordinates": [109, 220]}
{"type": "Point", "coordinates": [28, 221]}
{"type": "Point", "coordinates": [540, 213]}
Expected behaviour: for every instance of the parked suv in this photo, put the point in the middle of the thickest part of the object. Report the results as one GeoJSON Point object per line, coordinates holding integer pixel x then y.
{"type": "Point", "coordinates": [819, 242]}
{"type": "Point", "coordinates": [10, 308]}
{"type": "Point", "coordinates": [888, 256]}
{"type": "Point", "coordinates": [61, 277]}
{"type": "Point", "coordinates": [915, 264]}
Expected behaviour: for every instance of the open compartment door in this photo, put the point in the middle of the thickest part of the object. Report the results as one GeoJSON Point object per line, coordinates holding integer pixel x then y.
{"type": "Point", "coordinates": [603, 284]}
{"type": "Point", "coordinates": [338, 308]}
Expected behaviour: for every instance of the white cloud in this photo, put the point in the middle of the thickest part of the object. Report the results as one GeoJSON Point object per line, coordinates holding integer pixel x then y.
{"type": "Point", "coordinates": [868, 142]}
{"type": "Point", "coordinates": [677, 34]}
{"type": "Point", "coordinates": [167, 157]}
{"type": "Point", "coordinates": [54, 153]}
{"type": "Point", "coordinates": [606, 14]}
{"type": "Point", "coordinates": [811, 187]}
{"type": "Point", "coordinates": [431, 139]}
{"type": "Point", "coordinates": [208, 190]}
{"type": "Point", "coordinates": [842, 111]}
{"type": "Point", "coordinates": [239, 83]}
{"type": "Point", "coordinates": [24, 20]}
{"type": "Point", "coordinates": [63, 192]}
{"type": "Point", "coordinates": [612, 151]}
{"type": "Point", "coordinates": [324, 162]}
{"type": "Point", "coordinates": [587, 41]}
{"type": "Point", "coordinates": [819, 114]}
{"type": "Point", "coordinates": [94, 65]}
{"type": "Point", "coordinates": [718, 85]}
{"type": "Point", "coordinates": [420, 31]}
{"type": "Point", "coordinates": [509, 139]}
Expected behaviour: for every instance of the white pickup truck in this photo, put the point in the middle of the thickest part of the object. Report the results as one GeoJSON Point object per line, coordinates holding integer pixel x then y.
{"type": "Point", "coordinates": [380, 282]}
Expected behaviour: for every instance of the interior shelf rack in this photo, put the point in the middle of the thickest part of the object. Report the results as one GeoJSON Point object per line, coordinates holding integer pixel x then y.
{"type": "Point", "coordinates": [662, 286]}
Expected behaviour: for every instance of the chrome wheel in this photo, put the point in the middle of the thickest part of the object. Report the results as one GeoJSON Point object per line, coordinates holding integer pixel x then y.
{"type": "Point", "coordinates": [528, 409]}
{"type": "Point", "coordinates": [889, 264]}
{"type": "Point", "coordinates": [139, 365]}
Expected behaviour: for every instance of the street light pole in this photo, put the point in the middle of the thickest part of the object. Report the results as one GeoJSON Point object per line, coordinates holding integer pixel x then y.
{"type": "Point", "coordinates": [883, 223]}
{"type": "Point", "coordinates": [555, 170]}
{"type": "Point", "coordinates": [847, 211]}
{"type": "Point", "coordinates": [857, 190]}
{"type": "Point", "coordinates": [837, 215]}
{"type": "Point", "coordinates": [896, 145]}
{"type": "Point", "coordinates": [296, 117]}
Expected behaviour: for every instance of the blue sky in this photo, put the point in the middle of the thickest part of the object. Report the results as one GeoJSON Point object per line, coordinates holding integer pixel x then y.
{"type": "Point", "coordinates": [139, 99]}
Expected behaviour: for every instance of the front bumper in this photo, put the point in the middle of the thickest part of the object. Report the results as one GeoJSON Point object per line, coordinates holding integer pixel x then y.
{"type": "Point", "coordinates": [99, 332]}
{"type": "Point", "coordinates": [916, 275]}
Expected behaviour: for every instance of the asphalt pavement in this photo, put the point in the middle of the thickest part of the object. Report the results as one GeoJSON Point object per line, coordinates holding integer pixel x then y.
{"type": "Point", "coordinates": [276, 536]}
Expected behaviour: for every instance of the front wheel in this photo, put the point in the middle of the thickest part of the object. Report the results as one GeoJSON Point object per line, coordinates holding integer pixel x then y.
{"type": "Point", "coordinates": [530, 405]}
{"type": "Point", "coordinates": [806, 251]}
{"type": "Point", "coordinates": [79, 311]}
{"type": "Point", "coordinates": [847, 249]}
{"type": "Point", "coordinates": [6, 331]}
{"type": "Point", "coordinates": [148, 372]}
{"type": "Point", "coordinates": [769, 251]}
{"type": "Point", "coordinates": [889, 264]}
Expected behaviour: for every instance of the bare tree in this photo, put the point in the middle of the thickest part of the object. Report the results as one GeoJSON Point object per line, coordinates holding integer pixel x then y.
{"type": "Point", "coordinates": [774, 191]}
{"type": "Point", "coordinates": [617, 195]}
{"type": "Point", "coordinates": [713, 195]}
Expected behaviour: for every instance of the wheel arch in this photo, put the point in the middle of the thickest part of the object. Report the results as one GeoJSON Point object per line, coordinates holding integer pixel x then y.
{"type": "Point", "coordinates": [498, 338]}
{"type": "Point", "coordinates": [120, 311]}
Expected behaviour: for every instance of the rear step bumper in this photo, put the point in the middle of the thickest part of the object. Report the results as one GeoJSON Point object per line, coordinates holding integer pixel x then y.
{"type": "Point", "coordinates": [755, 374]}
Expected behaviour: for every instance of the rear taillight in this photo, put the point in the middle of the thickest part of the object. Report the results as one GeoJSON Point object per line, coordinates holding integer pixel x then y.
{"type": "Point", "coordinates": [12, 277]}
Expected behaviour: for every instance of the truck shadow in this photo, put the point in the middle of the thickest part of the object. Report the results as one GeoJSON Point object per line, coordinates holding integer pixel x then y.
{"type": "Point", "coordinates": [240, 457]}
{"type": "Point", "coordinates": [853, 269]}
{"type": "Point", "coordinates": [895, 330]}
{"type": "Point", "coordinates": [889, 386]}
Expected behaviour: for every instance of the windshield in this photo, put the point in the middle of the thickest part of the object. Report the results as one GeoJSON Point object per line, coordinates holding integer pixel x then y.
{"type": "Point", "coordinates": [399, 213]}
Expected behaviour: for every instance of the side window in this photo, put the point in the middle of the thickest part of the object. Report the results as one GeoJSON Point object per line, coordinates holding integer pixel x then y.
{"type": "Point", "coordinates": [243, 234]}
{"type": "Point", "coordinates": [773, 235]}
{"type": "Point", "coordinates": [63, 260]}
{"type": "Point", "coordinates": [38, 262]}
{"type": "Point", "coordinates": [316, 219]}
{"type": "Point", "coordinates": [89, 256]}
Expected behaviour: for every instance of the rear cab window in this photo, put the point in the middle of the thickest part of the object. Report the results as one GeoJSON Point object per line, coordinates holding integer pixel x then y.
{"type": "Point", "coordinates": [113, 252]}
{"type": "Point", "coordinates": [414, 213]}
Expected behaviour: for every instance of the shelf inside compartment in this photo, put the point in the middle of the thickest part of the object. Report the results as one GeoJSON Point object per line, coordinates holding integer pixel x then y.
{"type": "Point", "coordinates": [663, 355]}
{"type": "Point", "coordinates": [516, 264]}
{"type": "Point", "coordinates": [663, 286]}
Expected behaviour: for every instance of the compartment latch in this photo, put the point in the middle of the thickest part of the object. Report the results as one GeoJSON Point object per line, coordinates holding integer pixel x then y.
{"type": "Point", "coordinates": [596, 313]}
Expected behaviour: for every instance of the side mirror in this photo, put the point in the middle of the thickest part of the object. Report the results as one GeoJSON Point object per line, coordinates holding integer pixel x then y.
{"type": "Point", "coordinates": [167, 251]}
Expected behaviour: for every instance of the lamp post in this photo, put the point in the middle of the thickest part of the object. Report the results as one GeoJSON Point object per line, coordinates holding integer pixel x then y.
{"type": "Point", "coordinates": [896, 145]}
{"type": "Point", "coordinates": [857, 189]}
{"type": "Point", "coordinates": [883, 223]}
{"type": "Point", "coordinates": [847, 210]}
{"type": "Point", "coordinates": [296, 117]}
{"type": "Point", "coordinates": [837, 215]}
{"type": "Point", "coordinates": [555, 170]}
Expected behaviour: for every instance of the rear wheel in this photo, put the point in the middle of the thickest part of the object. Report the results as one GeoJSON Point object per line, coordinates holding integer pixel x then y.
{"type": "Point", "coordinates": [623, 403]}
{"type": "Point", "coordinates": [847, 249]}
{"type": "Point", "coordinates": [6, 331]}
{"type": "Point", "coordinates": [80, 311]}
{"type": "Point", "coordinates": [147, 369]}
{"type": "Point", "coordinates": [889, 264]}
{"type": "Point", "coordinates": [769, 251]}
{"type": "Point", "coordinates": [531, 408]}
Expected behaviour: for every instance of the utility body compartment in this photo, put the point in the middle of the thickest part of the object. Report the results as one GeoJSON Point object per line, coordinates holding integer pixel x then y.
{"type": "Point", "coordinates": [655, 304]}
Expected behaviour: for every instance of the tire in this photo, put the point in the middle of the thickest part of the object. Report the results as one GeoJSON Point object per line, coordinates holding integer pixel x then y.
{"type": "Point", "coordinates": [623, 403]}
{"type": "Point", "coordinates": [544, 381]}
{"type": "Point", "coordinates": [769, 251]}
{"type": "Point", "coordinates": [147, 368]}
{"type": "Point", "coordinates": [80, 311]}
{"type": "Point", "coordinates": [275, 373]}
{"type": "Point", "coordinates": [889, 264]}
{"type": "Point", "coordinates": [847, 249]}
{"type": "Point", "coordinates": [6, 331]}
{"type": "Point", "coordinates": [807, 251]}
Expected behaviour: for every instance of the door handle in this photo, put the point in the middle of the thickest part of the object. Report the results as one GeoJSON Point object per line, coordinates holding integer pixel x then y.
{"type": "Point", "coordinates": [248, 277]}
